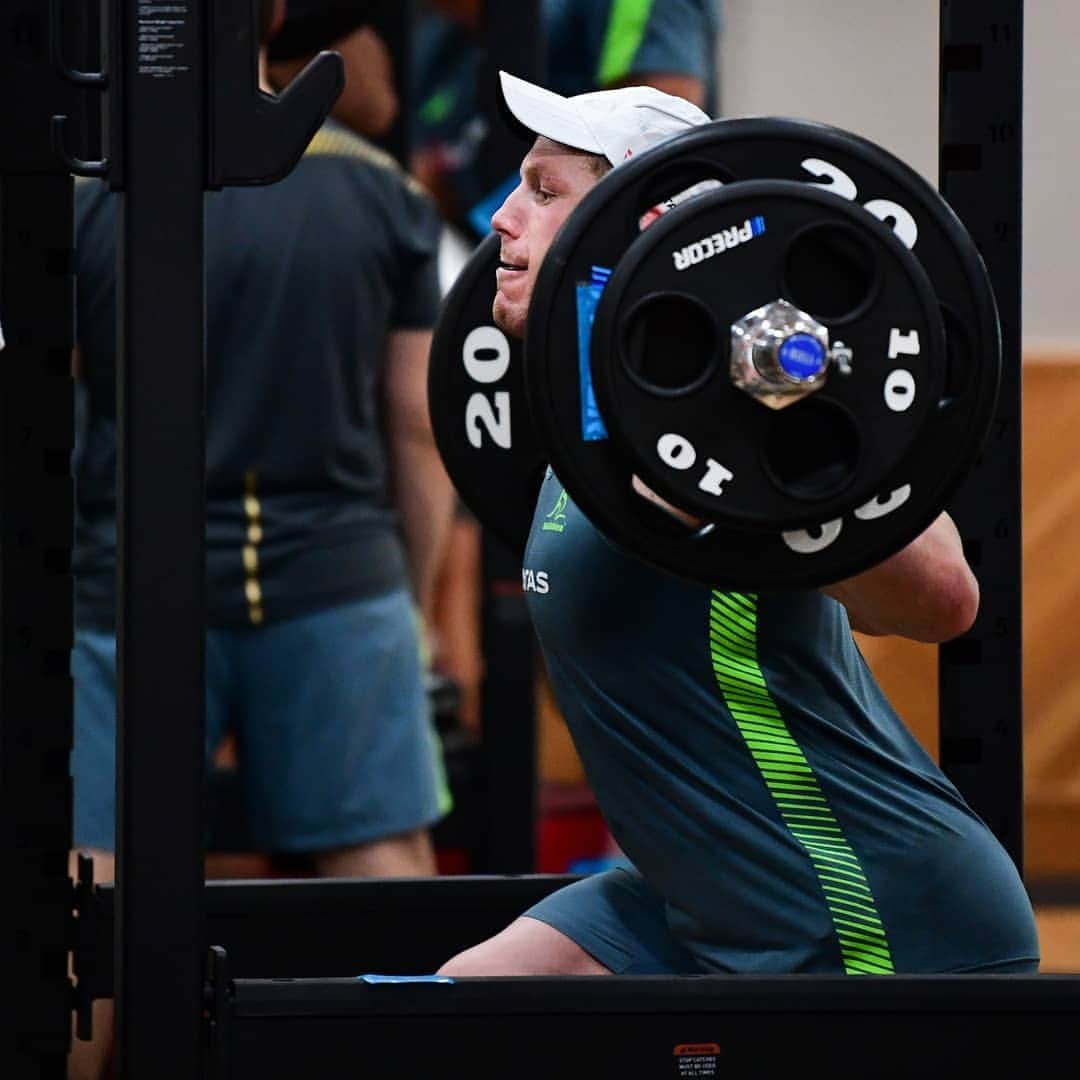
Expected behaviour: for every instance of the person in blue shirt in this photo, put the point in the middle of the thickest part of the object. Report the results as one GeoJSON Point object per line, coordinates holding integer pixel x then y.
{"type": "Point", "coordinates": [588, 45]}
{"type": "Point", "coordinates": [777, 815]}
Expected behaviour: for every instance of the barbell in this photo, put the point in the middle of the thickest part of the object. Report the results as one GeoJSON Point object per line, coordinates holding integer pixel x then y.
{"type": "Point", "coordinates": [803, 358]}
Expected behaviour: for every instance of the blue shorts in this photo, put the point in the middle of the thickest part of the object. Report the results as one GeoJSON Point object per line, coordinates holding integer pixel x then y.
{"type": "Point", "coordinates": [621, 921]}
{"type": "Point", "coordinates": [336, 738]}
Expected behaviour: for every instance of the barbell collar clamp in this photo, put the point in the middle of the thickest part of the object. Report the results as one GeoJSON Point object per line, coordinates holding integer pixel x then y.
{"type": "Point", "coordinates": [779, 354]}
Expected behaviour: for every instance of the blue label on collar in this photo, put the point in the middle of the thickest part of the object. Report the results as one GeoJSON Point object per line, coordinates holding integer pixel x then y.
{"type": "Point", "coordinates": [588, 296]}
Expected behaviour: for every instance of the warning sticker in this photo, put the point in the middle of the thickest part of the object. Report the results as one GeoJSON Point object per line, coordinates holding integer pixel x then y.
{"type": "Point", "coordinates": [697, 1059]}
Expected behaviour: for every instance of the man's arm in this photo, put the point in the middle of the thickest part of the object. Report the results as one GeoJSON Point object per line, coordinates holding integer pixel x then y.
{"type": "Point", "coordinates": [926, 591]}
{"type": "Point", "coordinates": [422, 489]}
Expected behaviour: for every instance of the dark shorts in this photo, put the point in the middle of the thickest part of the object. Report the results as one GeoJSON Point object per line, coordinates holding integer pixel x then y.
{"type": "Point", "coordinates": [621, 921]}
{"type": "Point", "coordinates": [332, 719]}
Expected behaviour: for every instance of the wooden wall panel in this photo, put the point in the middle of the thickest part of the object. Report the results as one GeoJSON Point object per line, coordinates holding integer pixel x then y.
{"type": "Point", "coordinates": [1052, 615]}
{"type": "Point", "coordinates": [1051, 583]}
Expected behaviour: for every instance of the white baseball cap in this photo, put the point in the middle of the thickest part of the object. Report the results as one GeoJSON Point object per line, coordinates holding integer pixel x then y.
{"type": "Point", "coordinates": [614, 123]}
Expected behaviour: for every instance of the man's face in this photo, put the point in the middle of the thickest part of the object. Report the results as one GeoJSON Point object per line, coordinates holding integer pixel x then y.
{"type": "Point", "coordinates": [553, 180]}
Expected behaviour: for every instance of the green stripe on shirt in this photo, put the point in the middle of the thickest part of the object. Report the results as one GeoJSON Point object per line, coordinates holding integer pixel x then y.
{"type": "Point", "coordinates": [626, 28]}
{"type": "Point", "coordinates": [793, 785]}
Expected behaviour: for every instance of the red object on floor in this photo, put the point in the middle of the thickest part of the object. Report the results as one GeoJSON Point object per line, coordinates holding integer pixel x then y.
{"type": "Point", "coordinates": [571, 828]}
{"type": "Point", "coordinates": [452, 861]}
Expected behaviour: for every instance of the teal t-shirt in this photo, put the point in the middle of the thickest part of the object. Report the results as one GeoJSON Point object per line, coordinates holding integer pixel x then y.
{"type": "Point", "coordinates": [751, 768]}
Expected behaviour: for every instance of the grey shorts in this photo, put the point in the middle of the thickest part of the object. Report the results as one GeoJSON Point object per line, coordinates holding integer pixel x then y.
{"type": "Point", "coordinates": [336, 739]}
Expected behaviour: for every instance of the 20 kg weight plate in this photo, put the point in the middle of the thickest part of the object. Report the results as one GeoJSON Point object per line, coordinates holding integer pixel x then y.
{"type": "Point", "coordinates": [476, 399]}
{"type": "Point", "coordinates": [597, 472]}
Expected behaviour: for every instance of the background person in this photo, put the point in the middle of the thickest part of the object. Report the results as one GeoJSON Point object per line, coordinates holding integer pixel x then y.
{"type": "Point", "coordinates": [325, 492]}
{"type": "Point", "coordinates": [369, 104]}
{"type": "Point", "coordinates": [327, 507]}
{"type": "Point", "coordinates": [778, 815]}
{"type": "Point", "coordinates": [588, 45]}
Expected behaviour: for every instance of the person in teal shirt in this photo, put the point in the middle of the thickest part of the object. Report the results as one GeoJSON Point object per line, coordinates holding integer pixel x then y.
{"type": "Point", "coordinates": [777, 815]}
{"type": "Point", "coordinates": [589, 45]}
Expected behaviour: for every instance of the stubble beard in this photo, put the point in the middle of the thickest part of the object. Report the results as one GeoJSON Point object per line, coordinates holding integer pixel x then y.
{"type": "Point", "coordinates": [508, 319]}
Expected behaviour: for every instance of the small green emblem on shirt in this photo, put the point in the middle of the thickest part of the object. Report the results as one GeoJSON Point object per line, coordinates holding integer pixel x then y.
{"type": "Point", "coordinates": [555, 521]}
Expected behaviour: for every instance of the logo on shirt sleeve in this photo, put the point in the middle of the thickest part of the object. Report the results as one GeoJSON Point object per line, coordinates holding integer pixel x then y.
{"type": "Point", "coordinates": [555, 519]}
{"type": "Point", "coordinates": [534, 580]}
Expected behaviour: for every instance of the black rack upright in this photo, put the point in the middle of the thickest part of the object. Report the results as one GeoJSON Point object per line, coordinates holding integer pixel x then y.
{"type": "Point", "coordinates": [39, 79]}
{"type": "Point", "coordinates": [158, 152]}
{"type": "Point", "coordinates": [186, 117]}
{"type": "Point", "coordinates": [512, 38]}
{"type": "Point", "coordinates": [980, 675]}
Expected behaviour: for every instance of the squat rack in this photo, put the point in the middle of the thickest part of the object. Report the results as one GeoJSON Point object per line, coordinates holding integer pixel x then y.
{"type": "Point", "coordinates": [163, 913]}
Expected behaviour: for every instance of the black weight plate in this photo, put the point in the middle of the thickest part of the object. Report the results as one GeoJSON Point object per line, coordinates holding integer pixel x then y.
{"type": "Point", "coordinates": [476, 398]}
{"type": "Point", "coordinates": [597, 474]}
{"type": "Point", "coordinates": [661, 374]}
